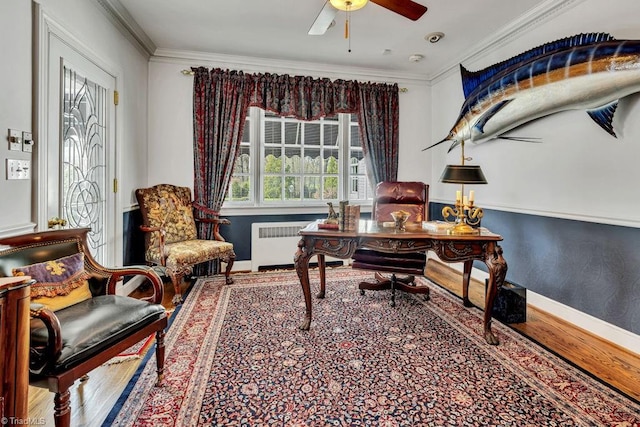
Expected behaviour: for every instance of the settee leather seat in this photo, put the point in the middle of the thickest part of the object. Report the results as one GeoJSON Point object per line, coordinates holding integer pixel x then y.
{"type": "Point", "coordinates": [92, 325]}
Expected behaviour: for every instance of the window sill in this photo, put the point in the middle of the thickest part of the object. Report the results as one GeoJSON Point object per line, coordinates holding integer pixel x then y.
{"type": "Point", "coordinates": [281, 210]}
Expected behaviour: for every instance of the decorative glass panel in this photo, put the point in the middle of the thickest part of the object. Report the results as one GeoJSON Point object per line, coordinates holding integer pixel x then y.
{"type": "Point", "coordinates": [83, 158]}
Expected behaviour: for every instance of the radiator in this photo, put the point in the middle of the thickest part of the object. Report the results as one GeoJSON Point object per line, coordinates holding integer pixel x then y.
{"type": "Point", "coordinates": [275, 243]}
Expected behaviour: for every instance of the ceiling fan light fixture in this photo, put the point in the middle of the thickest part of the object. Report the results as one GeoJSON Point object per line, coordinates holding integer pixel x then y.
{"type": "Point", "coordinates": [349, 5]}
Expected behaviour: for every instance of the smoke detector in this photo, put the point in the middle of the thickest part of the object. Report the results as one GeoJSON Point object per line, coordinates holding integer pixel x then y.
{"type": "Point", "coordinates": [434, 37]}
{"type": "Point", "coordinates": [416, 57]}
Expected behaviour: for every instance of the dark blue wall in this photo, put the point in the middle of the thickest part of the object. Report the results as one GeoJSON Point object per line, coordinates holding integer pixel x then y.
{"type": "Point", "coordinates": [594, 268]}
{"type": "Point", "coordinates": [239, 233]}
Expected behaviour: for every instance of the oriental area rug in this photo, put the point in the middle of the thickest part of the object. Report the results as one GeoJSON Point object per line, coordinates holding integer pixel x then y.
{"type": "Point", "coordinates": [236, 357]}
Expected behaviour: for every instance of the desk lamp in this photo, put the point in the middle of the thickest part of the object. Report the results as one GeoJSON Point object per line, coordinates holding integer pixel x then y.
{"type": "Point", "coordinates": [466, 214]}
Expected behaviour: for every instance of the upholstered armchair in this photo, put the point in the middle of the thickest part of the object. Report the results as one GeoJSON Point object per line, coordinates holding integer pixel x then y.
{"type": "Point", "coordinates": [411, 197]}
{"type": "Point", "coordinates": [171, 237]}
{"type": "Point", "coordinates": [77, 321]}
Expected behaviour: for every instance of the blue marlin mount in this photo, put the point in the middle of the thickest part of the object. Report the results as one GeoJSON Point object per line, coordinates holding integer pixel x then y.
{"type": "Point", "coordinates": [588, 71]}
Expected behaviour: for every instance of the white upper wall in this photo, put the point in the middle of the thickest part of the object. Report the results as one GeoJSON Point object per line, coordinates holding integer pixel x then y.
{"type": "Point", "coordinates": [578, 170]}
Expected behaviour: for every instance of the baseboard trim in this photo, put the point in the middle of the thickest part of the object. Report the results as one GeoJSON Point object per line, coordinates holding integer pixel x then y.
{"type": "Point", "coordinates": [597, 327]}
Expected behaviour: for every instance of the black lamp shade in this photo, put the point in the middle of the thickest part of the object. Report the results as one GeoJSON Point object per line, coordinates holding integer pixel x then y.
{"type": "Point", "coordinates": [463, 174]}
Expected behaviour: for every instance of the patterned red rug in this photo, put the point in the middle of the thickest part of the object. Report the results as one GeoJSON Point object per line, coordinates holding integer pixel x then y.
{"type": "Point", "coordinates": [235, 357]}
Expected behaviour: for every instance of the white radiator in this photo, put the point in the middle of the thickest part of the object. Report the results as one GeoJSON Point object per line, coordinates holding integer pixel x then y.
{"type": "Point", "coordinates": [275, 243]}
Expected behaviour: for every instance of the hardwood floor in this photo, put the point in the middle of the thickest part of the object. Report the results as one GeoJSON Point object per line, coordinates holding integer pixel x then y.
{"type": "Point", "coordinates": [92, 400]}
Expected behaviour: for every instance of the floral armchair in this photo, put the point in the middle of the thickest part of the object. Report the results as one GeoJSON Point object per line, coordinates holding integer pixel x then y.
{"type": "Point", "coordinates": [171, 238]}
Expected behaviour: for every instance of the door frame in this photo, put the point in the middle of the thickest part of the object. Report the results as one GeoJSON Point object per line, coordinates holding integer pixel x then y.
{"type": "Point", "coordinates": [45, 27]}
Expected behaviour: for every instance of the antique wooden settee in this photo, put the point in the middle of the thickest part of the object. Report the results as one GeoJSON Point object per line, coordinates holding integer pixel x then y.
{"type": "Point", "coordinates": [77, 320]}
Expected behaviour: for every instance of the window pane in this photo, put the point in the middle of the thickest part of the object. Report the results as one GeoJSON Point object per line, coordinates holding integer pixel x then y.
{"type": "Point", "coordinates": [331, 161]}
{"type": "Point", "coordinates": [243, 161]}
{"type": "Point", "coordinates": [240, 188]}
{"type": "Point", "coordinates": [354, 136]}
{"type": "Point", "coordinates": [312, 187]}
{"type": "Point", "coordinates": [292, 160]}
{"type": "Point", "coordinates": [331, 135]}
{"type": "Point", "coordinates": [292, 133]}
{"type": "Point", "coordinates": [330, 190]}
{"type": "Point", "coordinates": [312, 134]}
{"type": "Point", "coordinates": [272, 160]}
{"type": "Point", "coordinates": [272, 132]}
{"type": "Point", "coordinates": [292, 187]}
{"type": "Point", "coordinates": [272, 188]}
{"type": "Point", "coordinates": [312, 161]}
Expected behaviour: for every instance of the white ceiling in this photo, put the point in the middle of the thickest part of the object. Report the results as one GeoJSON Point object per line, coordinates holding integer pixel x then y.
{"type": "Point", "coordinates": [277, 29]}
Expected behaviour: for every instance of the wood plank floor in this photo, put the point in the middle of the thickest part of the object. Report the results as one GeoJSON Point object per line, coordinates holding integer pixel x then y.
{"type": "Point", "coordinates": [92, 400]}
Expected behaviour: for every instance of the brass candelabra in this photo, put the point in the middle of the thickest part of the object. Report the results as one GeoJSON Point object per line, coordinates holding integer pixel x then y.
{"type": "Point", "coordinates": [465, 215]}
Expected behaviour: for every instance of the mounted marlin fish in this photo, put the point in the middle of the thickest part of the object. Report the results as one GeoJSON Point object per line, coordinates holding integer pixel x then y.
{"type": "Point", "coordinates": [588, 71]}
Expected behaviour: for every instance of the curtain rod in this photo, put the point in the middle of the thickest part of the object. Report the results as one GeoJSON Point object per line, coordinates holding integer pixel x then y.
{"type": "Point", "coordinates": [191, 73]}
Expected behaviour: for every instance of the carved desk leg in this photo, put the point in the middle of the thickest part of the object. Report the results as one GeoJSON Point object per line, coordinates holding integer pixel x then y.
{"type": "Point", "coordinates": [323, 276]}
{"type": "Point", "coordinates": [301, 262]}
{"type": "Point", "coordinates": [466, 277]}
{"type": "Point", "coordinates": [497, 272]}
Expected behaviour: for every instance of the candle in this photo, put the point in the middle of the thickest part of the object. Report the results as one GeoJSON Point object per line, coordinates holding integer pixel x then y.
{"type": "Point", "coordinates": [465, 201]}
{"type": "Point", "coordinates": [458, 195]}
{"type": "Point", "coordinates": [471, 196]}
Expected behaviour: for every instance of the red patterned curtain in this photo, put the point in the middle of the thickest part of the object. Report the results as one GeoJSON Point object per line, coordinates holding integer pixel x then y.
{"type": "Point", "coordinates": [220, 104]}
{"type": "Point", "coordinates": [378, 118]}
{"type": "Point", "coordinates": [304, 98]}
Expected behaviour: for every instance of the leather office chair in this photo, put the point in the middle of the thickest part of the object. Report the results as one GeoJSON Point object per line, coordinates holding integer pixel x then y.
{"type": "Point", "coordinates": [409, 196]}
{"type": "Point", "coordinates": [171, 238]}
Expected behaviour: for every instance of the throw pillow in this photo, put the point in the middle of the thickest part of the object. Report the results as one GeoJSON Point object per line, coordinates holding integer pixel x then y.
{"type": "Point", "coordinates": [59, 283]}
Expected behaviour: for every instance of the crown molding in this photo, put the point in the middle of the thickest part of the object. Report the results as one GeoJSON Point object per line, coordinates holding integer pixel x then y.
{"type": "Point", "coordinates": [530, 20]}
{"type": "Point", "coordinates": [122, 19]}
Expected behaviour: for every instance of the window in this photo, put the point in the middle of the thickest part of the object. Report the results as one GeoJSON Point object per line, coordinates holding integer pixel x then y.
{"type": "Point", "coordinates": [284, 161]}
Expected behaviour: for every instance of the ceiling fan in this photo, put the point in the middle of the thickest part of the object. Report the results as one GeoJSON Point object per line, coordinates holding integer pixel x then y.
{"type": "Point", "coordinates": [407, 8]}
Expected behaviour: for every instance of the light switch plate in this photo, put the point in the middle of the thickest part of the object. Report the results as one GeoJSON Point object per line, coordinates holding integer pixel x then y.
{"type": "Point", "coordinates": [18, 169]}
{"type": "Point", "coordinates": [27, 142]}
{"type": "Point", "coordinates": [15, 140]}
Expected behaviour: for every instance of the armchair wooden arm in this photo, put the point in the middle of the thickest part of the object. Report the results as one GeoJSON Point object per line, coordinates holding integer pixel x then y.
{"type": "Point", "coordinates": [40, 358]}
{"type": "Point", "coordinates": [216, 226]}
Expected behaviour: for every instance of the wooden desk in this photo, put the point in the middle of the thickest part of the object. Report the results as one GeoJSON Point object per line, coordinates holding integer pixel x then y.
{"type": "Point", "coordinates": [342, 244]}
{"type": "Point", "coordinates": [14, 347]}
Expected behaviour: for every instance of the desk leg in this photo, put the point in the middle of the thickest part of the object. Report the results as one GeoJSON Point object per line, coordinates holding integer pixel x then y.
{"type": "Point", "coordinates": [466, 277]}
{"type": "Point", "coordinates": [323, 277]}
{"type": "Point", "coordinates": [497, 272]}
{"type": "Point", "coordinates": [301, 262]}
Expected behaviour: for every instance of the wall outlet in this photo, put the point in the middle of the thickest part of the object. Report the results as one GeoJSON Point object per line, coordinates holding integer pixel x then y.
{"type": "Point", "coordinates": [15, 140]}
{"type": "Point", "coordinates": [18, 169]}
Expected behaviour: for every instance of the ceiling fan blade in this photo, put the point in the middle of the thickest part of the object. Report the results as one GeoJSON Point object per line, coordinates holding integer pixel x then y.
{"type": "Point", "coordinates": [323, 20]}
{"type": "Point", "coordinates": [407, 8]}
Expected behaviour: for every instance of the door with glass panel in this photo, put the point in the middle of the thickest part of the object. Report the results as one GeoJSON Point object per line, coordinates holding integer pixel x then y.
{"type": "Point", "coordinates": [81, 148]}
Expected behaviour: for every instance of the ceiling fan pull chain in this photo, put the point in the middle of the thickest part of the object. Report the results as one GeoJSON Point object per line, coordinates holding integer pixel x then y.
{"type": "Point", "coordinates": [347, 34]}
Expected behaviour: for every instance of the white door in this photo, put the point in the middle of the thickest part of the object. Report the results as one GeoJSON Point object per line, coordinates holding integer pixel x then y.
{"type": "Point", "coordinates": [80, 148]}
